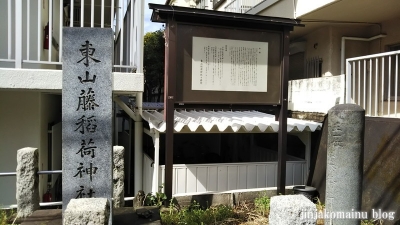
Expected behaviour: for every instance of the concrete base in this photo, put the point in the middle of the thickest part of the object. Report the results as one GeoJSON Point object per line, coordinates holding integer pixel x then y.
{"type": "Point", "coordinates": [94, 211]}
{"type": "Point", "coordinates": [228, 197]}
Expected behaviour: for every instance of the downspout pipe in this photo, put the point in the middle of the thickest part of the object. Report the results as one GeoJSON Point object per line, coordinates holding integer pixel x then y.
{"type": "Point", "coordinates": [344, 39]}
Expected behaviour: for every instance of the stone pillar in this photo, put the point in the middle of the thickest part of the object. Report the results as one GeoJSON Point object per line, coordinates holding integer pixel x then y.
{"type": "Point", "coordinates": [94, 211]}
{"type": "Point", "coordinates": [27, 181]}
{"type": "Point", "coordinates": [345, 152]}
{"type": "Point", "coordinates": [118, 176]}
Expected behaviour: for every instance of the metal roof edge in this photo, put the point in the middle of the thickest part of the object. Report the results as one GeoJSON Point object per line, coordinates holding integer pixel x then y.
{"type": "Point", "coordinates": [194, 12]}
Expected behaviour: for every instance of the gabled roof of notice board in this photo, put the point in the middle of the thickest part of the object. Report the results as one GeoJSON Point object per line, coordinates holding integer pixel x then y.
{"type": "Point", "coordinates": [220, 121]}
{"type": "Point", "coordinates": [204, 16]}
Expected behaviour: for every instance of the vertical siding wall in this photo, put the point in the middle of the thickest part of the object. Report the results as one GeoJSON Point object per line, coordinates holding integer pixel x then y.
{"type": "Point", "coordinates": [197, 178]}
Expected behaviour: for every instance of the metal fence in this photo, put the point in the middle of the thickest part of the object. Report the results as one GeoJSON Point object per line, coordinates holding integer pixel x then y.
{"type": "Point", "coordinates": [45, 172]}
{"type": "Point", "coordinates": [373, 83]}
{"type": "Point", "coordinates": [241, 6]}
{"type": "Point", "coordinates": [34, 29]}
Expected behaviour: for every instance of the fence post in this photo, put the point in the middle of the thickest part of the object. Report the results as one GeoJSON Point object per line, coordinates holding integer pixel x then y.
{"type": "Point", "coordinates": [18, 33]}
{"type": "Point", "coordinates": [348, 82]}
{"type": "Point", "coordinates": [118, 176]}
{"type": "Point", "coordinates": [27, 181]}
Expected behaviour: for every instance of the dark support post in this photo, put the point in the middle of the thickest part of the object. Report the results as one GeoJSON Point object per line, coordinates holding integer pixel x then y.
{"type": "Point", "coordinates": [170, 83]}
{"type": "Point", "coordinates": [282, 136]}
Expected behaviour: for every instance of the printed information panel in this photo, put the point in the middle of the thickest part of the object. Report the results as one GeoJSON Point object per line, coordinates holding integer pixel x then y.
{"type": "Point", "coordinates": [229, 65]}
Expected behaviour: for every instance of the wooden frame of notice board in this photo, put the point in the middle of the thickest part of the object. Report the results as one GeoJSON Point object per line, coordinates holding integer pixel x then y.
{"type": "Point", "coordinates": [224, 60]}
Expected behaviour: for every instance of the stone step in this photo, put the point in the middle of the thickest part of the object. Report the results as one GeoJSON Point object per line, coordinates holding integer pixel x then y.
{"type": "Point", "coordinates": [121, 216]}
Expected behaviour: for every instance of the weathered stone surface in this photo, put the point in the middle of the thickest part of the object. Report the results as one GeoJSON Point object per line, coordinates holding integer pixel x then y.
{"type": "Point", "coordinates": [139, 199]}
{"type": "Point", "coordinates": [344, 169]}
{"type": "Point", "coordinates": [313, 116]}
{"type": "Point", "coordinates": [87, 114]}
{"type": "Point", "coordinates": [118, 176]}
{"type": "Point", "coordinates": [27, 181]}
{"type": "Point", "coordinates": [292, 210]}
{"type": "Point", "coordinates": [93, 211]}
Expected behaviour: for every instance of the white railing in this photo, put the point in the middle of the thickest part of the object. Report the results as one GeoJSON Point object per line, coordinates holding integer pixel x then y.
{"type": "Point", "coordinates": [241, 6]}
{"type": "Point", "coordinates": [201, 178]}
{"type": "Point", "coordinates": [373, 83]}
{"type": "Point", "coordinates": [34, 24]}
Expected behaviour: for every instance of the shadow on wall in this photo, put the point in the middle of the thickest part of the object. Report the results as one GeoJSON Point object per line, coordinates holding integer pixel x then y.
{"type": "Point", "coordinates": [381, 183]}
{"type": "Point", "coordinates": [381, 180]}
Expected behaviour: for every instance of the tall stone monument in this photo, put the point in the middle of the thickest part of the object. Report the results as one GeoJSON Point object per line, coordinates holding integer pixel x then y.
{"type": "Point", "coordinates": [344, 170]}
{"type": "Point", "coordinates": [87, 114]}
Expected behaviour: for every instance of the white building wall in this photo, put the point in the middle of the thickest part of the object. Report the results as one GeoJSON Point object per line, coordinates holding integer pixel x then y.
{"type": "Point", "coordinates": [290, 8]}
{"type": "Point", "coordinates": [24, 118]}
{"type": "Point", "coordinates": [184, 3]}
{"type": "Point", "coordinates": [316, 94]}
{"type": "Point", "coordinates": [283, 8]}
{"type": "Point", "coordinates": [20, 127]}
{"type": "Point", "coordinates": [303, 7]}
{"type": "Point", "coordinates": [326, 44]}
{"type": "Point", "coordinates": [391, 28]}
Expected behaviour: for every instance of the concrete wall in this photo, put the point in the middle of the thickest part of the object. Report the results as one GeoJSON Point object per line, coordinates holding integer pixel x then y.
{"type": "Point", "coordinates": [20, 127]}
{"type": "Point", "coordinates": [381, 181]}
{"type": "Point", "coordinates": [24, 118]}
{"type": "Point", "coordinates": [326, 43]}
{"type": "Point", "coordinates": [319, 44]}
{"type": "Point", "coordinates": [316, 94]}
{"type": "Point", "coordinates": [328, 40]}
{"type": "Point", "coordinates": [391, 28]}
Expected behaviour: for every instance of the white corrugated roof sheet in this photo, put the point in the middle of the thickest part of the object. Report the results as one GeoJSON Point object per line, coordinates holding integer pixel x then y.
{"type": "Point", "coordinates": [208, 121]}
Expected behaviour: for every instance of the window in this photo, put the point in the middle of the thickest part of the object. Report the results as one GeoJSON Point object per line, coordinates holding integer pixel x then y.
{"type": "Point", "coordinates": [313, 67]}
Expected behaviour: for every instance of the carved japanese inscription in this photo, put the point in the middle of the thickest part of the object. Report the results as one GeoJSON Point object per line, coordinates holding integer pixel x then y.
{"type": "Point", "coordinates": [87, 113]}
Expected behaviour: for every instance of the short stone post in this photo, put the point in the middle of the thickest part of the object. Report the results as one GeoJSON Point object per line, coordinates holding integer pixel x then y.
{"type": "Point", "coordinates": [118, 176]}
{"type": "Point", "coordinates": [95, 211]}
{"type": "Point", "coordinates": [27, 181]}
{"type": "Point", "coordinates": [291, 210]}
{"type": "Point", "coordinates": [345, 152]}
